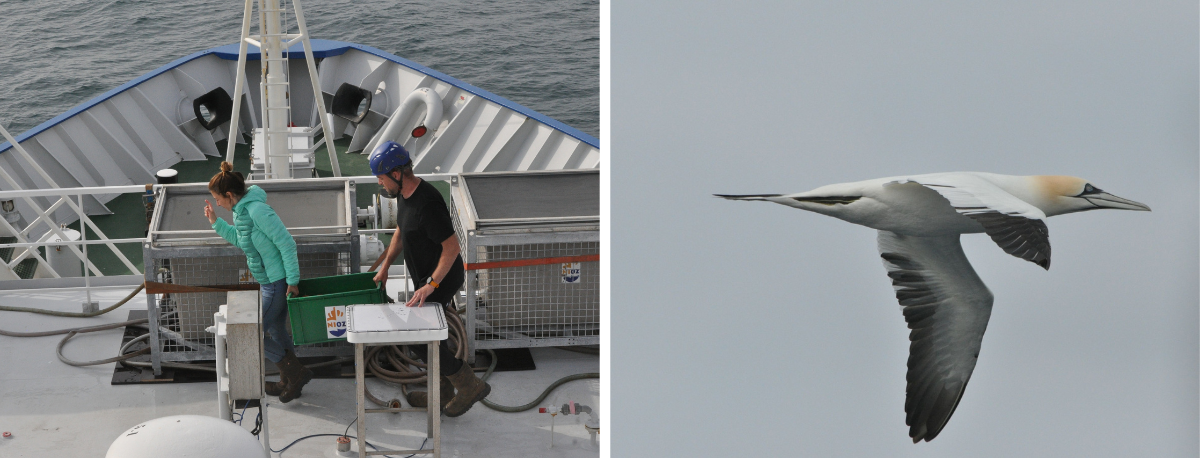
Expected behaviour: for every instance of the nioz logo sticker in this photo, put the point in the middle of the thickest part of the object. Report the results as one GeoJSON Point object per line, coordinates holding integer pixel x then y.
{"type": "Point", "coordinates": [570, 272]}
{"type": "Point", "coordinates": [335, 322]}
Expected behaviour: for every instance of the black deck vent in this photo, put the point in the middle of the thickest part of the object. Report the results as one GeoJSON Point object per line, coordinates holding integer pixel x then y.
{"type": "Point", "coordinates": [351, 102]}
{"type": "Point", "coordinates": [213, 109]}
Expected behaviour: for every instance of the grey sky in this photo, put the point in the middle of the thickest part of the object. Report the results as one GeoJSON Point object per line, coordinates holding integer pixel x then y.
{"type": "Point", "coordinates": [753, 329]}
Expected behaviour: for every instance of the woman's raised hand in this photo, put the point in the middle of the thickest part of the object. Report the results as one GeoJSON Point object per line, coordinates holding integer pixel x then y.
{"type": "Point", "coordinates": [209, 213]}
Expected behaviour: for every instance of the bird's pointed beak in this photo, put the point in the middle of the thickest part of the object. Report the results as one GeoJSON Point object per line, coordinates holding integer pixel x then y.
{"type": "Point", "coordinates": [1106, 200]}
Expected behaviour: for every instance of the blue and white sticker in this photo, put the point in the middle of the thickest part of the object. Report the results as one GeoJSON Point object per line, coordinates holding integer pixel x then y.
{"type": "Point", "coordinates": [570, 272]}
{"type": "Point", "coordinates": [335, 322]}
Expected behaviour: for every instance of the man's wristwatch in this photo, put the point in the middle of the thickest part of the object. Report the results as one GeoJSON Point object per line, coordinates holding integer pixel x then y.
{"type": "Point", "coordinates": [431, 282]}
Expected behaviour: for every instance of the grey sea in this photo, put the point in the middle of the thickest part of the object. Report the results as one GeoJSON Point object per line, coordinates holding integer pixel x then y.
{"type": "Point", "coordinates": [544, 55]}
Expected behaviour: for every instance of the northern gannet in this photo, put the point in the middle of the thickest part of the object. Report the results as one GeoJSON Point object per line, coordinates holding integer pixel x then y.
{"type": "Point", "coordinates": [946, 305]}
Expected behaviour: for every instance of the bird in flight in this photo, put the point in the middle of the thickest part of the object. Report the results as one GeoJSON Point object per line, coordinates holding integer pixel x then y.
{"type": "Point", "coordinates": [946, 305]}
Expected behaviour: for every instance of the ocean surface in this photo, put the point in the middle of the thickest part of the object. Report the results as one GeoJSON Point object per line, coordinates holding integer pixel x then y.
{"type": "Point", "coordinates": [544, 55]}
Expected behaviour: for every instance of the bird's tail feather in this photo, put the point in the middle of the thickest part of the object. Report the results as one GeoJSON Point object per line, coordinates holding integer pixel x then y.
{"type": "Point", "coordinates": [746, 196]}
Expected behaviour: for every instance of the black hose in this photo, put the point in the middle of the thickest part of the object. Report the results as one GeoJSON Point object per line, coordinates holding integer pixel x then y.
{"type": "Point", "coordinates": [93, 363]}
{"type": "Point", "coordinates": [535, 402]}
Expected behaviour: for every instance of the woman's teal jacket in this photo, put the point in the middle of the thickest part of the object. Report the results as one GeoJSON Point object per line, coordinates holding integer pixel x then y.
{"type": "Point", "coordinates": [257, 230]}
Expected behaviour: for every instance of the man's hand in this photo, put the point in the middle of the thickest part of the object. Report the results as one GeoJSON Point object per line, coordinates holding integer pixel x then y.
{"type": "Point", "coordinates": [209, 213]}
{"type": "Point", "coordinates": [385, 260]}
{"type": "Point", "coordinates": [381, 277]}
{"type": "Point", "coordinates": [293, 291]}
{"type": "Point", "coordinates": [419, 296]}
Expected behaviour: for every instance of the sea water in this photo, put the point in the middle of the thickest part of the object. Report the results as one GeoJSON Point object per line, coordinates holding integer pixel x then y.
{"type": "Point", "coordinates": [542, 54]}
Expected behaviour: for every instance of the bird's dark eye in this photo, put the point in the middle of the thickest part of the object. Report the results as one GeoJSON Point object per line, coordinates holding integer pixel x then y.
{"type": "Point", "coordinates": [1089, 189]}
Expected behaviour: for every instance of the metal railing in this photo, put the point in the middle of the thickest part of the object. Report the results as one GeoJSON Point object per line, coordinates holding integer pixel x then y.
{"type": "Point", "coordinates": [54, 235]}
{"type": "Point", "coordinates": [45, 217]}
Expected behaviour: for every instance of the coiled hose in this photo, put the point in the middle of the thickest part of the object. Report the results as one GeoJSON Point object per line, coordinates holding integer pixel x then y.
{"type": "Point", "coordinates": [400, 372]}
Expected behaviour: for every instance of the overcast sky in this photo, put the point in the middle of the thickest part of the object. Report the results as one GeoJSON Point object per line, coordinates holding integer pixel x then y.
{"type": "Point", "coordinates": [754, 329]}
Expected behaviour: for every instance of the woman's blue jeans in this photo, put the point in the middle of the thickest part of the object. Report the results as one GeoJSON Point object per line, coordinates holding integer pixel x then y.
{"type": "Point", "coordinates": [276, 338]}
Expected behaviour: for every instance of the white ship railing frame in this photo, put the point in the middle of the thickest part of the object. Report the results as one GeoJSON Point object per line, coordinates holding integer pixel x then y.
{"type": "Point", "coordinates": [79, 248]}
{"type": "Point", "coordinates": [45, 216]}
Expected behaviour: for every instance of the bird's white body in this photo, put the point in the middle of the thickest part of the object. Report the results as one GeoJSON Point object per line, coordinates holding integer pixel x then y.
{"type": "Point", "coordinates": [945, 303]}
{"type": "Point", "coordinates": [905, 205]}
{"type": "Point", "coordinates": [904, 208]}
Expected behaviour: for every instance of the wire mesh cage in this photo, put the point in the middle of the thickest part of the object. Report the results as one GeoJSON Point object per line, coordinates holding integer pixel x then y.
{"type": "Point", "coordinates": [183, 251]}
{"type": "Point", "coordinates": [183, 317]}
{"type": "Point", "coordinates": [531, 245]}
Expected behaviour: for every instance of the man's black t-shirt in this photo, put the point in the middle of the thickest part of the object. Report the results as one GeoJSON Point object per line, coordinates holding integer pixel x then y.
{"type": "Point", "coordinates": [425, 223]}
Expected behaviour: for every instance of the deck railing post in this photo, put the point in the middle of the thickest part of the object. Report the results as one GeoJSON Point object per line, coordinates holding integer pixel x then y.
{"type": "Point", "coordinates": [238, 86]}
{"type": "Point", "coordinates": [87, 279]}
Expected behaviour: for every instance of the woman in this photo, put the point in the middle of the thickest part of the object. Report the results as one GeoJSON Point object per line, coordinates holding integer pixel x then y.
{"type": "Point", "coordinates": [271, 257]}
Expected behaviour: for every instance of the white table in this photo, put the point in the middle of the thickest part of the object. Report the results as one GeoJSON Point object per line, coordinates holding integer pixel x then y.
{"type": "Point", "coordinates": [396, 324]}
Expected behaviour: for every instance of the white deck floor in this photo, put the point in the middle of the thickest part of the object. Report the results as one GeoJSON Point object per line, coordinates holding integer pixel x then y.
{"type": "Point", "coordinates": [53, 409]}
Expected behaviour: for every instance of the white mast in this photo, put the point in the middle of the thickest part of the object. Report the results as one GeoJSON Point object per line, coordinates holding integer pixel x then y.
{"type": "Point", "coordinates": [272, 42]}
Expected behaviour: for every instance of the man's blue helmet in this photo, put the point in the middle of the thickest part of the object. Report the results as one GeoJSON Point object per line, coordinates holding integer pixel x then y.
{"type": "Point", "coordinates": [387, 156]}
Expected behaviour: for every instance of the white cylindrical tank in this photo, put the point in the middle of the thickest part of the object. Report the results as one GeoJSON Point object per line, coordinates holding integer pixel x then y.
{"type": "Point", "coordinates": [8, 211]}
{"type": "Point", "coordinates": [61, 258]}
{"type": "Point", "coordinates": [186, 436]}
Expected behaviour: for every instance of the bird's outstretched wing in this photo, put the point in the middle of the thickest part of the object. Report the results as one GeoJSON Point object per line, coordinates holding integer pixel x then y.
{"type": "Point", "coordinates": [947, 307]}
{"type": "Point", "coordinates": [1012, 223]}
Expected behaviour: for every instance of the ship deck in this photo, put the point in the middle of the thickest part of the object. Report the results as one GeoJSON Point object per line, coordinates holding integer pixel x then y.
{"type": "Point", "coordinates": [53, 409]}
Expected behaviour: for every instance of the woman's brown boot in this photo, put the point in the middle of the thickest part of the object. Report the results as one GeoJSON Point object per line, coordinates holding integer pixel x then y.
{"type": "Point", "coordinates": [295, 373]}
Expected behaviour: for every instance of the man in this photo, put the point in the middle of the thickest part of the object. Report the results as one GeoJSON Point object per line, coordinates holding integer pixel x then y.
{"type": "Point", "coordinates": [425, 233]}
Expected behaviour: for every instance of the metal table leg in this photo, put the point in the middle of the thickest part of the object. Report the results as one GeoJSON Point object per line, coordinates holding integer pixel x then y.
{"type": "Point", "coordinates": [434, 374]}
{"type": "Point", "coordinates": [433, 410]}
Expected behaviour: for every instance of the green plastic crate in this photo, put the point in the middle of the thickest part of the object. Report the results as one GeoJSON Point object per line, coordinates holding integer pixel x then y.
{"type": "Point", "coordinates": [319, 303]}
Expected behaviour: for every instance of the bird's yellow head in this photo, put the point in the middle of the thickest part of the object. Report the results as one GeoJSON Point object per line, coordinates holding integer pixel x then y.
{"type": "Point", "coordinates": [1067, 194]}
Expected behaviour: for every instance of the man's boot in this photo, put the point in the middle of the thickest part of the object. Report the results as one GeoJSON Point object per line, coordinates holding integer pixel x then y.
{"type": "Point", "coordinates": [470, 390]}
{"type": "Point", "coordinates": [421, 398]}
{"type": "Point", "coordinates": [295, 373]}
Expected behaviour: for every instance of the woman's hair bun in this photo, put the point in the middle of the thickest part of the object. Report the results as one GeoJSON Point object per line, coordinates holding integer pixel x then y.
{"type": "Point", "coordinates": [227, 181]}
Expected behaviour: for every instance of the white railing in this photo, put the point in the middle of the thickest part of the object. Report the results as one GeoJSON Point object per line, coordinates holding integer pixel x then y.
{"type": "Point", "coordinates": [72, 198]}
